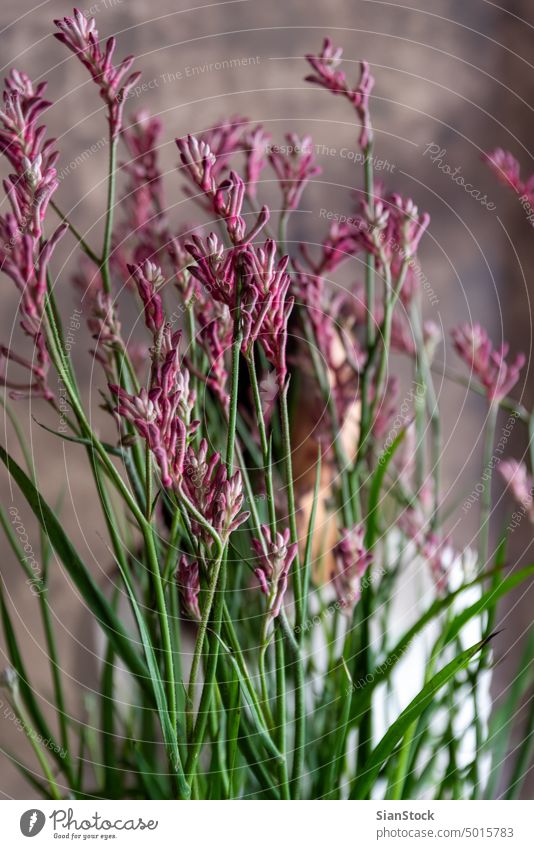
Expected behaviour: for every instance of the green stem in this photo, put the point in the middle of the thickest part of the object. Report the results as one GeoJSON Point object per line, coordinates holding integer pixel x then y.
{"type": "Point", "coordinates": [266, 454]}
{"type": "Point", "coordinates": [199, 645]}
{"type": "Point", "coordinates": [487, 469]}
{"type": "Point", "coordinates": [300, 693]}
{"type": "Point", "coordinates": [77, 235]}
{"type": "Point", "coordinates": [108, 228]}
{"type": "Point", "coordinates": [281, 717]}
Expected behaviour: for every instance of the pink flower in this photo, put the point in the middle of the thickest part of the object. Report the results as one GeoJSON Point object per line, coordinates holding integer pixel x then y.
{"type": "Point", "coordinates": [224, 140]}
{"type": "Point", "coordinates": [105, 328]}
{"type": "Point", "coordinates": [275, 555]}
{"type": "Point", "coordinates": [26, 261]}
{"type": "Point", "coordinates": [225, 198]}
{"type": "Point", "coordinates": [351, 561]}
{"type": "Point", "coordinates": [520, 484]}
{"type": "Point", "coordinates": [488, 364]}
{"type": "Point", "coordinates": [32, 185]}
{"type": "Point", "coordinates": [188, 580]}
{"type": "Point", "coordinates": [340, 244]}
{"type": "Point", "coordinates": [506, 168]}
{"type": "Point", "coordinates": [214, 269]}
{"type": "Point", "coordinates": [294, 169]}
{"type": "Point", "coordinates": [162, 414]}
{"type": "Point", "coordinates": [198, 162]}
{"type": "Point", "coordinates": [265, 308]}
{"type": "Point", "coordinates": [217, 497]}
{"type": "Point", "coordinates": [215, 334]}
{"type": "Point", "coordinates": [80, 35]}
{"type": "Point", "coordinates": [255, 146]}
{"type": "Point", "coordinates": [149, 281]}
{"type": "Point", "coordinates": [228, 204]}
{"type": "Point", "coordinates": [141, 138]}
{"type": "Point", "coordinates": [328, 76]}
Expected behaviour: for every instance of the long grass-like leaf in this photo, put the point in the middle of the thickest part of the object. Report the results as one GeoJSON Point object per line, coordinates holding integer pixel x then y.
{"type": "Point", "coordinates": [78, 572]}
{"type": "Point", "coordinates": [398, 729]}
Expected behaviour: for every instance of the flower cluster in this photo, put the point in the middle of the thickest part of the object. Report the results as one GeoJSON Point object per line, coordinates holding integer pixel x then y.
{"type": "Point", "coordinates": [225, 197]}
{"type": "Point", "coordinates": [489, 364]}
{"type": "Point", "coordinates": [80, 35]}
{"type": "Point", "coordinates": [351, 561]}
{"type": "Point", "coordinates": [32, 157]}
{"type": "Point", "coordinates": [162, 414]}
{"type": "Point", "coordinates": [275, 555]}
{"type": "Point", "coordinates": [215, 495]}
{"type": "Point", "coordinates": [262, 284]}
{"type": "Point", "coordinates": [24, 255]}
{"type": "Point", "coordinates": [506, 168]}
{"type": "Point", "coordinates": [327, 74]}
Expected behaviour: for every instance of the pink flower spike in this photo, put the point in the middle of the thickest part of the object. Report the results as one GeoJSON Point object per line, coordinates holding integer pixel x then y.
{"type": "Point", "coordinates": [327, 75]}
{"type": "Point", "coordinates": [228, 204]}
{"type": "Point", "coordinates": [265, 308]}
{"type": "Point", "coordinates": [294, 169]}
{"type": "Point", "coordinates": [351, 561]}
{"type": "Point", "coordinates": [275, 555]}
{"type": "Point", "coordinates": [149, 281]}
{"type": "Point", "coordinates": [32, 185]}
{"type": "Point", "coordinates": [506, 168]}
{"type": "Point", "coordinates": [214, 270]}
{"type": "Point", "coordinates": [188, 580]}
{"type": "Point", "coordinates": [488, 364]}
{"type": "Point", "coordinates": [198, 161]}
{"type": "Point", "coordinates": [80, 35]}
{"type": "Point", "coordinates": [26, 260]}
{"type": "Point", "coordinates": [218, 498]}
{"type": "Point", "coordinates": [520, 484]}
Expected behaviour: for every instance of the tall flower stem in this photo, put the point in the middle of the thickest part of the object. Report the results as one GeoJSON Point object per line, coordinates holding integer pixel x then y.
{"type": "Point", "coordinates": [487, 470]}
{"type": "Point", "coordinates": [424, 366]}
{"type": "Point", "coordinates": [263, 440]}
{"type": "Point", "coordinates": [77, 235]}
{"type": "Point", "coordinates": [199, 645]}
{"type": "Point", "coordinates": [214, 606]}
{"type": "Point", "coordinates": [369, 191]}
{"type": "Point", "coordinates": [300, 695]}
{"type": "Point", "coordinates": [61, 364]}
{"type": "Point", "coordinates": [281, 709]}
{"type": "Point", "coordinates": [108, 227]}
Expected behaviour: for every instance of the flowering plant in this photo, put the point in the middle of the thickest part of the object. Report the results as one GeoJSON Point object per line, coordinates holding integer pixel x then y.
{"type": "Point", "coordinates": [266, 495]}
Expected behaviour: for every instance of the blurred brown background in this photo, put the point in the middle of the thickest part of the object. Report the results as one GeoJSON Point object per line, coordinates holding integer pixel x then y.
{"type": "Point", "coordinates": [456, 74]}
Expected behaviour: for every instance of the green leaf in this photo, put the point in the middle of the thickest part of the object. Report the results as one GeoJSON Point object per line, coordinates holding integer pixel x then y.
{"type": "Point", "coordinates": [259, 725]}
{"type": "Point", "coordinates": [79, 573]}
{"type": "Point", "coordinates": [487, 600]}
{"type": "Point", "coordinates": [26, 691]}
{"type": "Point", "coordinates": [504, 717]}
{"type": "Point", "coordinates": [383, 751]}
{"type": "Point", "coordinates": [382, 672]}
{"type": "Point", "coordinates": [169, 733]}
